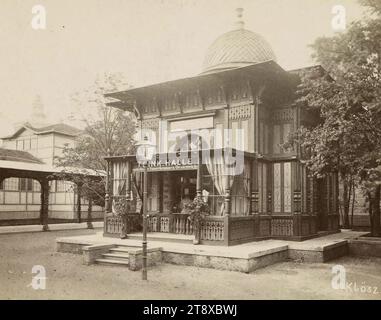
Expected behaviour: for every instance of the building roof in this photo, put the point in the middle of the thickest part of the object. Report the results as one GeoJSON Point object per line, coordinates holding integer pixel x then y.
{"type": "Point", "coordinates": [237, 48]}
{"type": "Point", "coordinates": [24, 161]}
{"type": "Point", "coordinates": [268, 70]}
{"type": "Point", "coordinates": [60, 128]}
{"type": "Point", "coordinates": [18, 156]}
{"type": "Point", "coordinates": [45, 168]}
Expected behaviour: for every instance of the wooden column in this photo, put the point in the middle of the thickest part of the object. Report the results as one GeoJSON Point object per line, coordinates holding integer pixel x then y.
{"type": "Point", "coordinates": [89, 214]}
{"type": "Point", "coordinates": [254, 188]}
{"type": "Point", "coordinates": [227, 195]}
{"type": "Point", "coordinates": [199, 164]}
{"type": "Point", "coordinates": [160, 190]}
{"type": "Point", "coordinates": [296, 187]}
{"type": "Point", "coordinates": [167, 193]}
{"type": "Point", "coordinates": [128, 184]}
{"type": "Point", "coordinates": [107, 197]}
{"type": "Point", "coordinates": [107, 189]}
{"type": "Point", "coordinates": [44, 209]}
{"type": "Point", "coordinates": [79, 193]}
{"type": "Point", "coordinates": [254, 192]}
{"type": "Point", "coordinates": [296, 198]}
{"type": "Point", "coordinates": [199, 184]}
{"type": "Point", "coordinates": [270, 181]}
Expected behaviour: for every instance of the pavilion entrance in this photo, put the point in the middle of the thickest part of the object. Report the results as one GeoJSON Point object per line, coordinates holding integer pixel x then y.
{"type": "Point", "coordinates": [168, 193]}
{"type": "Point", "coordinates": [180, 187]}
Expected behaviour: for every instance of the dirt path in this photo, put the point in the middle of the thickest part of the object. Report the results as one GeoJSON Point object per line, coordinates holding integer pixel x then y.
{"type": "Point", "coordinates": [68, 278]}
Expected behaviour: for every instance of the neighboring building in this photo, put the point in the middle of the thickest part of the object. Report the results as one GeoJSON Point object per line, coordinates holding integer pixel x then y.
{"type": "Point", "coordinates": [241, 87]}
{"type": "Point", "coordinates": [45, 142]}
{"type": "Point", "coordinates": [20, 197]}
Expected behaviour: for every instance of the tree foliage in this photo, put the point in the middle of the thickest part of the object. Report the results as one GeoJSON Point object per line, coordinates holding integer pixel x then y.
{"type": "Point", "coordinates": [107, 132]}
{"type": "Point", "coordinates": [348, 99]}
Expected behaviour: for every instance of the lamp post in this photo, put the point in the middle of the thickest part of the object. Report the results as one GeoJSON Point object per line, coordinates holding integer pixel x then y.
{"type": "Point", "coordinates": [144, 153]}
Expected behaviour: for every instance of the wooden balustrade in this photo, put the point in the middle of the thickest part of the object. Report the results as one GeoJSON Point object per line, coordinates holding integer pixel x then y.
{"type": "Point", "coordinates": [181, 224]}
{"type": "Point", "coordinates": [222, 230]}
{"type": "Point", "coordinates": [165, 224]}
{"type": "Point", "coordinates": [170, 223]}
{"type": "Point", "coordinates": [158, 222]}
{"type": "Point", "coordinates": [114, 223]}
{"type": "Point", "coordinates": [213, 228]}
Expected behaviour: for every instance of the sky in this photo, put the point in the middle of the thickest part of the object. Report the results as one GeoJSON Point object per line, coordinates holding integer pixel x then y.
{"type": "Point", "coordinates": [147, 41]}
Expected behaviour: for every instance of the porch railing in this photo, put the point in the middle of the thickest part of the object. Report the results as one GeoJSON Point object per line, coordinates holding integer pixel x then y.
{"type": "Point", "coordinates": [223, 230]}
{"type": "Point", "coordinates": [170, 223]}
{"type": "Point", "coordinates": [113, 224]}
{"type": "Point", "coordinates": [213, 228]}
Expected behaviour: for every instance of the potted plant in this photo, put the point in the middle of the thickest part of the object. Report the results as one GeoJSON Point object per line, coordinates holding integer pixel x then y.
{"type": "Point", "coordinates": [197, 211]}
{"type": "Point", "coordinates": [122, 208]}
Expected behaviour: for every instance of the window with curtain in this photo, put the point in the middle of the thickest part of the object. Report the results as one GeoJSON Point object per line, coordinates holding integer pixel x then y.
{"type": "Point", "coordinates": [119, 178]}
{"type": "Point", "coordinates": [36, 186]}
{"type": "Point", "coordinates": [262, 186]}
{"type": "Point", "coordinates": [240, 134]}
{"type": "Point", "coordinates": [11, 184]}
{"type": "Point", "coordinates": [240, 194]}
{"type": "Point", "coordinates": [277, 196]}
{"type": "Point", "coordinates": [25, 184]}
{"type": "Point", "coordinates": [281, 133]}
{"type": "Point", "coordinates": [282, 187]}
{"type": "Point", "coordinates": [287, 186]}
{"type": "Point", "coordinates": [217, 179]}
{"type": "Point", "coordinates": [214, 198]}
{"type": "Point", "coordinates": [217, 175]}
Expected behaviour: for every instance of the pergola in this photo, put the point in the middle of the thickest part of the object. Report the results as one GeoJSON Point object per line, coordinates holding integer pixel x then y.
{"type": "Point", "coordinates": [21, 164]}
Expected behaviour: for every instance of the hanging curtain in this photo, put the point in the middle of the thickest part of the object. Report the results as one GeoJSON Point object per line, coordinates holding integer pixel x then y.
{"type": "Point", "coordinates": [136, 180]}
{"type": "Point", "coordinates": [120, 176]}
{"type": "Point", "coordinates": [219, 171]}
{"type": "Point", "coordinates": [123, 176]}
{"type": "Point", "coordinates": [246, 182]}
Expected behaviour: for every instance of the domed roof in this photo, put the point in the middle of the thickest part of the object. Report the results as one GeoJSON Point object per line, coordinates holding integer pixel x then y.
{"type": "Point", "coordinates": [237, 48]}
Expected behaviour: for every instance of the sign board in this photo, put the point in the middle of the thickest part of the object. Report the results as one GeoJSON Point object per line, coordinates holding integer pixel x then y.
{"type": "Point", "coordinates": [168, 165]}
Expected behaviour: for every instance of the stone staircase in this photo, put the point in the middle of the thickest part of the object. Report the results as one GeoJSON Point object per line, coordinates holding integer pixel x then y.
{"type": "Point", "coordinates": [117, 256]}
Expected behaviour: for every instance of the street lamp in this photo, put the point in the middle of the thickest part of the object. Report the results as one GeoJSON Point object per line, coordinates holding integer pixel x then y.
{"type": "Point", "coordinates": [144, 153]}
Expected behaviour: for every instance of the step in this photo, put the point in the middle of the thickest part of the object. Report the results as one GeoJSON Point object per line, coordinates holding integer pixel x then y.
{"type": "Point", "coordinates": [120, 250]}
{"type": "Point", "coordinates": [185, 239]}
{"type": "Point", "coordinates": [117, 256]}
{"type": "Point", "coordinates": [112, 262]}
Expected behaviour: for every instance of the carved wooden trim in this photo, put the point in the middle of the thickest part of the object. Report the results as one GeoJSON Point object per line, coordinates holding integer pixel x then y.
{"type": "Point", "coordinates": [150, 124]}
{"type": "Point", "coordinates": [240, 112]}
{"type": "Point", "coordinates": [283, 115]}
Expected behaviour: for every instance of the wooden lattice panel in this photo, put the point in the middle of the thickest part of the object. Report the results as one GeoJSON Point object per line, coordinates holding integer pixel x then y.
{"type": "Point", "coordinates": [283, 115]}
{"type": "Point", "coordinates": [150, 124]}
{"type": "Point", "coordinates": [281, 227]}
{"type": "Point", "coordinates": [240, 112]}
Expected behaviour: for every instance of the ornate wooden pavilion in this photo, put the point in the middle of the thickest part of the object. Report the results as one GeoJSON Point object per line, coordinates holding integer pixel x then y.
{"type": "Point", "coordinates": [244, 90]}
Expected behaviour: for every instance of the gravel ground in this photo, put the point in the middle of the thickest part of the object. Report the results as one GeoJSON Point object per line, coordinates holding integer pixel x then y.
{"type": "Point", "coordinates": [68, 278]}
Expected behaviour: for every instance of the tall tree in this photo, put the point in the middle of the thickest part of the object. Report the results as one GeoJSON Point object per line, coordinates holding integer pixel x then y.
{"type": "Point", "coordinates": [107, 132]}
{"type": "Point", "coordinates": [348, 97]}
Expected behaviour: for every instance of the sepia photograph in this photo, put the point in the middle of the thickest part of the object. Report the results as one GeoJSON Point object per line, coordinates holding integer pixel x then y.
{"type": "Point", "coordinates": [190, 154]}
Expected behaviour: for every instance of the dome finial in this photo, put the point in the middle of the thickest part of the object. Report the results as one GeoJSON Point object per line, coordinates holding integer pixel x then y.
{"type": "Point", "coordinates": [240, 24]}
